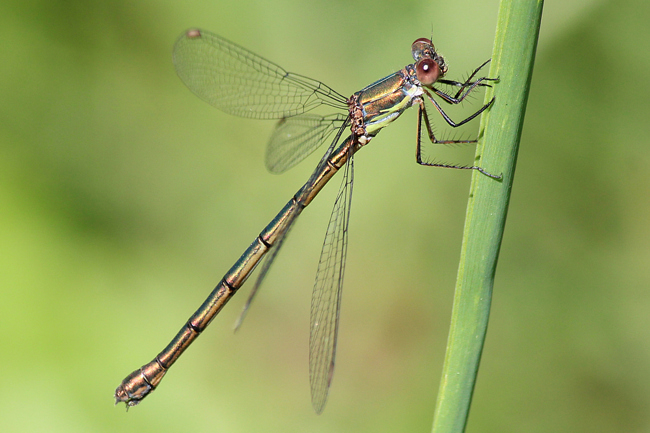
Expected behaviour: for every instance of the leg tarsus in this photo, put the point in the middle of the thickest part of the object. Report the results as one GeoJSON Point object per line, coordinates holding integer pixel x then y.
{"type": "Point", "coordinates": [464, 167]}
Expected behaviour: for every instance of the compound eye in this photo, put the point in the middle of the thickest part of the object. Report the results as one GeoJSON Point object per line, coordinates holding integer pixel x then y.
{"type": "Point", "coordinates": [427, 71]}
{"type": "Point", "coordinates": [426, 41]}
{"type": "Point", "coordinates": [421, 48]}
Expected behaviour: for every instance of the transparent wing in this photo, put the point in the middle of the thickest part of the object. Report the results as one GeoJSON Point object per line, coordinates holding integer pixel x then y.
{"type": "Point", "coordinates": [239, 82]}
{"type": "Point", "coordinates": [326, 297]}
{"type": "Point", "coordinates": [301, 196]}
{"type": "Point", "coordinates": [295, 138]}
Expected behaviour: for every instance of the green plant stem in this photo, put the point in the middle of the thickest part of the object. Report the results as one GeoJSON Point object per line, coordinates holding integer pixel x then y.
{"type": "Point", "coordinates": [512, 61]}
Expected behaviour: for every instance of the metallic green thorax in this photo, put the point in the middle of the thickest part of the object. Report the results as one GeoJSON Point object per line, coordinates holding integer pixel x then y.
{"type": "Point", "coordinates": [384, 101]}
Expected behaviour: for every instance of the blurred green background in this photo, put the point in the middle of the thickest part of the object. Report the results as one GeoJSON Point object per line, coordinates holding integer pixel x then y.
{"type": "Point", "coordinates": [124, 199]}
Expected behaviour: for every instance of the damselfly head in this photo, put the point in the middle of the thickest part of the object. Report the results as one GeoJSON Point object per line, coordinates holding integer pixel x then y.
{"type": "Point", "coordinates": [429, 64]}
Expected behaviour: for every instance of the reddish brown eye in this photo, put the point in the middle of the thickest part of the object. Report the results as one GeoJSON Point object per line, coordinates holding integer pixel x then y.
{"type": "Point", "coordinates": [427, 71]}
{"type": "Point", "coordinates": [421, 48]}
{"type": "Point", "coordinates": [423, 41]}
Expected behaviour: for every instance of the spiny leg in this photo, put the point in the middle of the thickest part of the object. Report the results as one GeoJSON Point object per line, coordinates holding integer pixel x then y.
{"type": "Point", "coordinates": [422, 111]}
{"type": "Point", "coordinates": [468, 82]}
{"type": "Point", "coordinates": [447, 118]}
{"type": "Point", "coordinates": [458, 99]}
{"type": "Point", "coordinates": [466, 86]}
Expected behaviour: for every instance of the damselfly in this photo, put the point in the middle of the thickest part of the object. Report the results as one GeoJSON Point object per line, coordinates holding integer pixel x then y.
{"type": "Point", "coordinates": [239, 82]}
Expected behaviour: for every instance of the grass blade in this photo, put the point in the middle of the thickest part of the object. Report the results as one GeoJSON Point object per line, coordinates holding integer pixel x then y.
{"type": "Point", "coordinates": [512, 61]}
